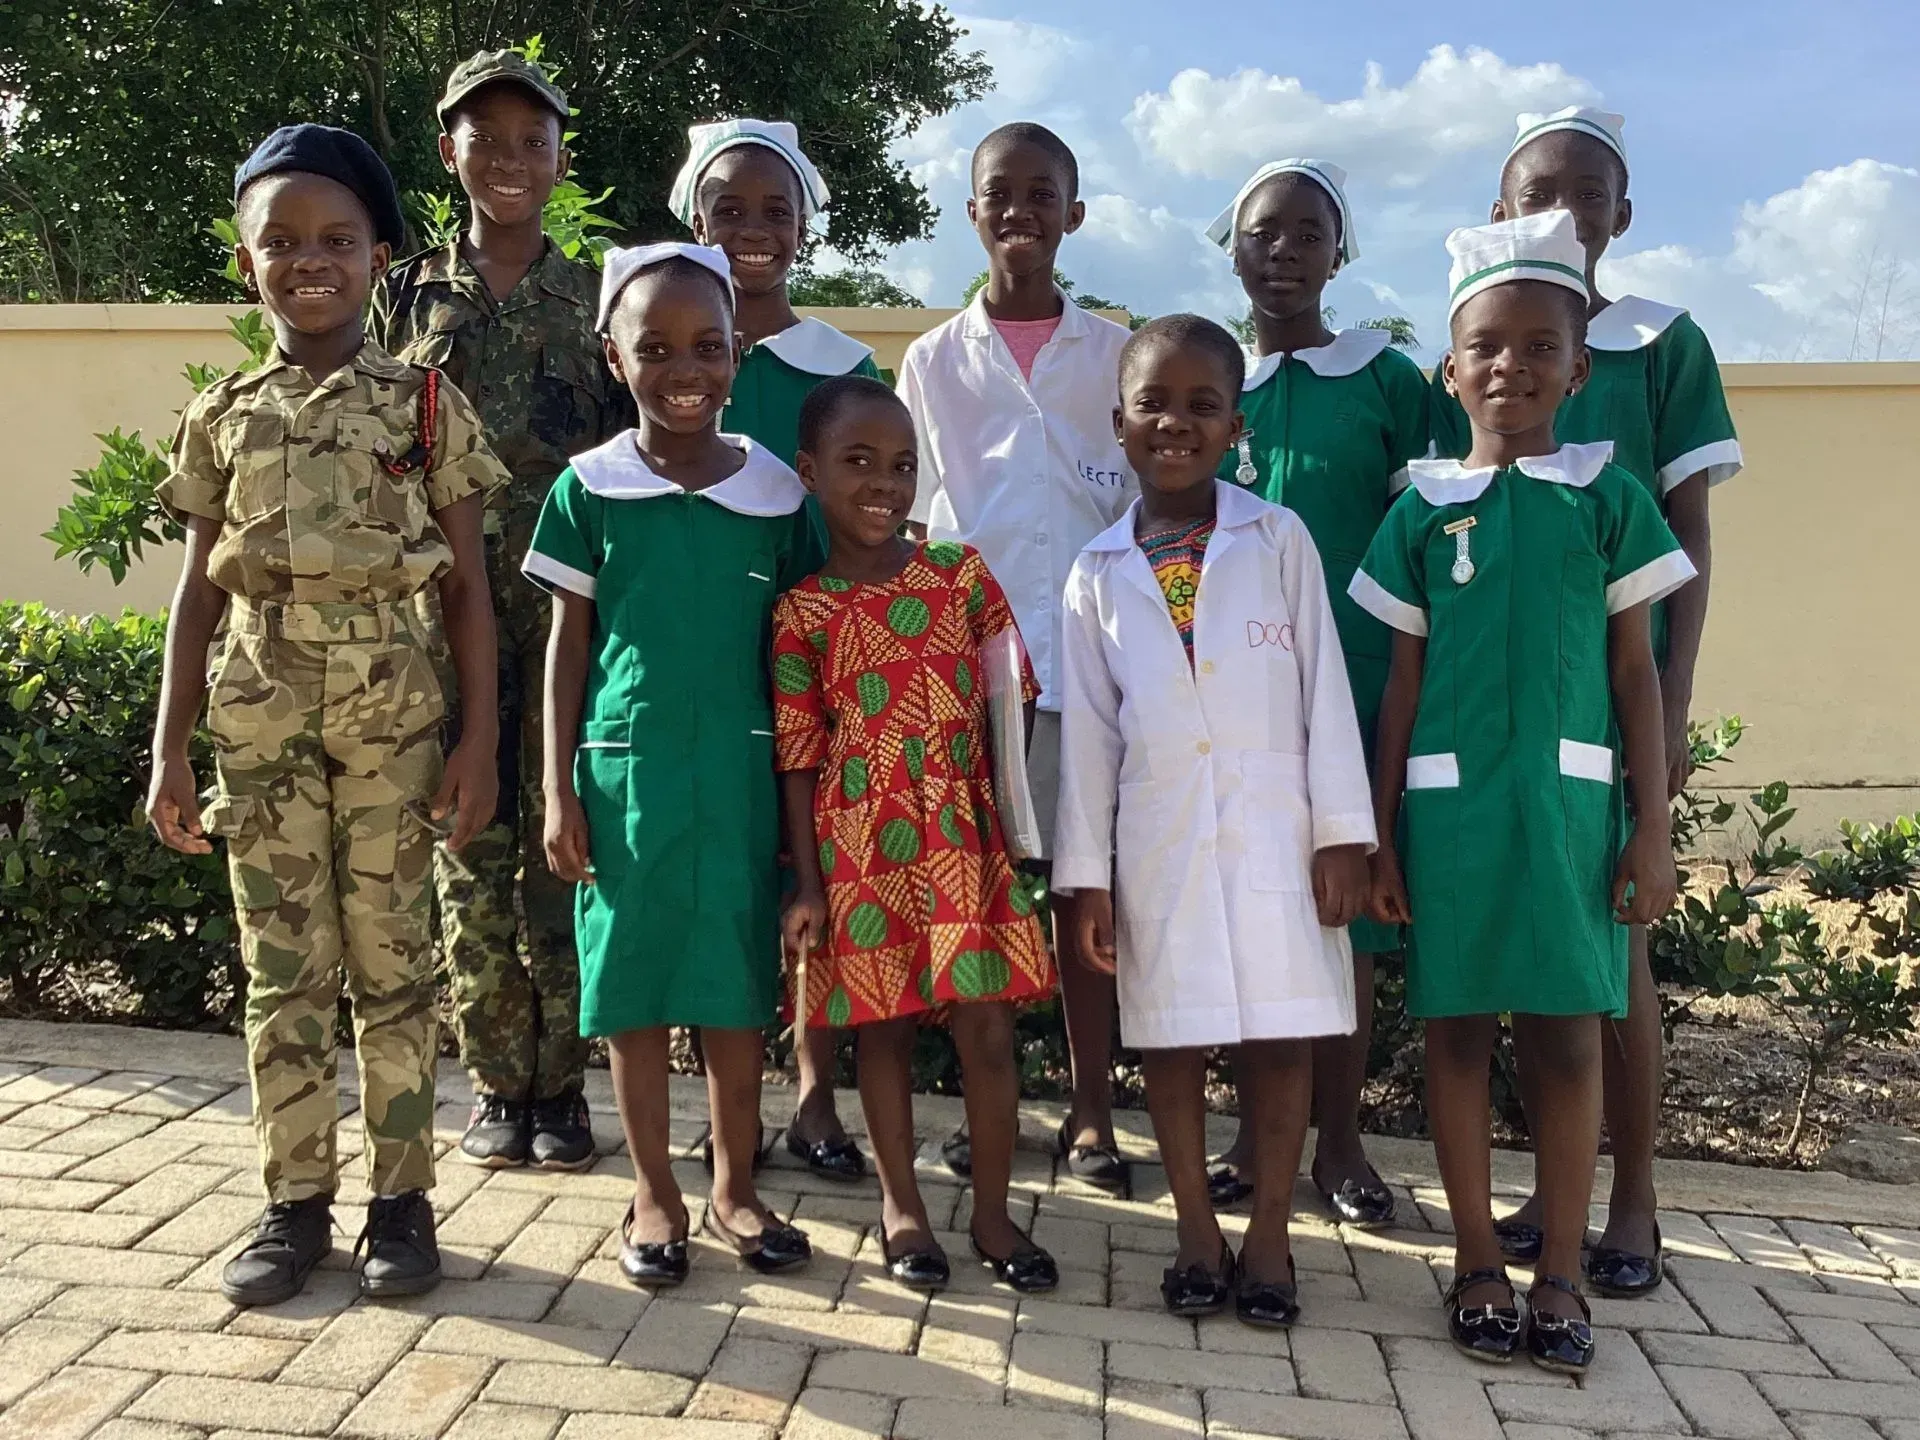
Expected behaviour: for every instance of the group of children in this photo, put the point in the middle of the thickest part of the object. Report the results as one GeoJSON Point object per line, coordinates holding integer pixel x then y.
{"type": "Point", "coordinates": [1307, 663]}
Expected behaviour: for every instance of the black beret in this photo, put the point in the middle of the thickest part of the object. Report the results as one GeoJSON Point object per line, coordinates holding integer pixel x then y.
{"type": "Point", "coordinates": [339, 155]}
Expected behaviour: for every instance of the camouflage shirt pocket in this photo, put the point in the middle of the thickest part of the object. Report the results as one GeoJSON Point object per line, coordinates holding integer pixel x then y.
{"type": "Point", "coordinates": [432, 347]}
{"type": "Point", "coordinates": [251, 446]}
{"type": "Point", "coordinates": [366, 452]}
{"type": "Point", "coordinates": [566, 403]}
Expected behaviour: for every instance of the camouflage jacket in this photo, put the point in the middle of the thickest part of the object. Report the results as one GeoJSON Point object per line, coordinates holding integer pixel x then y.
{"type": "Point", "coordinates": [531, 364]}
{"type": "Point", "coordinates": [299, 476]}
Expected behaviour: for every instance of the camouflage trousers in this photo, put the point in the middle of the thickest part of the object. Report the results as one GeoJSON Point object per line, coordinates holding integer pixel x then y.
{"type": "Point", "coordinates": [517, 1013]}
{"type": "Point", "coordinates": [326, 726]}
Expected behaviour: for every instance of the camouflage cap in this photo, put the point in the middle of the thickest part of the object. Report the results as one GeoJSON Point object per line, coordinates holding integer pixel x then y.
{"type": "Point", "coordinates": [491, 65]}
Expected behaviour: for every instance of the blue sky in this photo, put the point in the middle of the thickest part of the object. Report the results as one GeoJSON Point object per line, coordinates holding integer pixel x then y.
{"type": "Point", "coordinates": [1775, 147]}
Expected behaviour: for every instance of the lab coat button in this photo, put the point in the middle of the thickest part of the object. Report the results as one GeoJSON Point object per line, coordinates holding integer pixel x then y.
{"type": "Point", "coordinates": [1204, 747]}
{"type": "Point", "coordinates": [1206, 667]}
{"type": "Point", "coordinates": [1040, 539]}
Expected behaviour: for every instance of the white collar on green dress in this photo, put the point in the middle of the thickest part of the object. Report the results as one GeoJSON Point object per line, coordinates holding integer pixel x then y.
{"type": "Point", "coordinates": [762, 486]}
{"type": "Point", "coordinates": [1631, 323]}
{"type": "Point", "coordinates": [817, 348]}
{"type": "Point", "coordinates": [1448, 482]}
{"type": "Point", "coordinates": [1348, 353]}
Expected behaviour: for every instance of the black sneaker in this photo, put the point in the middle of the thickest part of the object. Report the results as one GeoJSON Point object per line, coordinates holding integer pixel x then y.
{"type": "Point", "coordinates": [499, 1134]}
{"type": "Point", "coordinates": [292, 1238]}
{"type": "Point", "coordinates": [402, 1258]}
{"type": "Point", "coordinates": [562, 1132]}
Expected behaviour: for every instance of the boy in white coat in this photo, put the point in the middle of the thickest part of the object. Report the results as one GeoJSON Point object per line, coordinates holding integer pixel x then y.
{"type": "Point", "coordinates": [1209, 732]}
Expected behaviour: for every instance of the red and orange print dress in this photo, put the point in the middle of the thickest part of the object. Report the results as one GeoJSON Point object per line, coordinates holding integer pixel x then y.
{"type": "Point", "coordinates": [879, 688]}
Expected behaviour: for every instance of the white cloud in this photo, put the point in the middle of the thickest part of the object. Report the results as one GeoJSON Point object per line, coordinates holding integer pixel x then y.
{"type": "Point", "coordinates": [1827, 270]}
{"type": "Point", "coordinates": [1453, 104]}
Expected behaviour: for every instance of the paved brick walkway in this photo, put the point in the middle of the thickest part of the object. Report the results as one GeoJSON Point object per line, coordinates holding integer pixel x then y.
{"type": "Point", "coordinates": [127, 1177]}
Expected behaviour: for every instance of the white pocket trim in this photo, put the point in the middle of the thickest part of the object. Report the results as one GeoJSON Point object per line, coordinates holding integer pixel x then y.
{"type": "Point", "coordinates": [1433, 772]}
{"type": "Point", "coordinates": [604, 745]}
{"type": "Point", "coordinates": [1586, 762]}
{"type": "Point", "coordinates": [756, 575]}
{"type": "Point", "coordinates": [767, 733]}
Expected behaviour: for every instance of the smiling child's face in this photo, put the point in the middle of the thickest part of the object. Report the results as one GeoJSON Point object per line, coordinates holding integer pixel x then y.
{"type": "Point", "coordinates": [671, 345]}
{"type": "Point", "coordinates": [749, 207]}
{"type": "Point", "coordinates": [863, 467]}
{"type": "Point", "coordinates": [1565, 170]}
{"type": "Point", "coordinates": [1178, 414]}
{"type": "Point", "coordinates": [307, 243]}
{"type": "Point", "coordinates": [1516, 356]}
{"type": "Point", "coordinates": [506, 148]}
{"type": "Point", "coordinates": [1022, 206]}
{"type": "Point", "coordinates": [1286, 246]}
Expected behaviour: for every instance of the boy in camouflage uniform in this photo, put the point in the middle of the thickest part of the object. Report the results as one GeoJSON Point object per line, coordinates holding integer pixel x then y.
{"type": "Point", "coordinates": [321, 493]}
{"type": "Point", "coordinates": [510, 320]}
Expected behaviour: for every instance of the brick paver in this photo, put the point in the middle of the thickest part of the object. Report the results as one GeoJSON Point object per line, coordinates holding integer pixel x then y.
{"type": "Point", "coordinates": [124, 1186]}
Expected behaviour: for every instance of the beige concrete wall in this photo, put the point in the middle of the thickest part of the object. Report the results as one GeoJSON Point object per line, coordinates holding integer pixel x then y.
{"type": "Point", "coordinates": [1811, 637]}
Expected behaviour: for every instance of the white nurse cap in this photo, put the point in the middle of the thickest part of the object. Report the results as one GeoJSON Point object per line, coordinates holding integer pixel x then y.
{"type": "Point", "coordinates": [1601, 125]}
{"type": "Point", "coordinates": [1534, 247]}
{"type": "Point", "coordinates": [1328, 176]}
{"type": "Point", "coordinates": [706, 143]}
{"type": "Point", "coordinates": [619, 267]}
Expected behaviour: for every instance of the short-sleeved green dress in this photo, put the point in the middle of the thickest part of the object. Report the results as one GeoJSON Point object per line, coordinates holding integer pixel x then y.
{"type": "Point", "coordinates": [1655, 392]}
{"type": "Point", "coordinates": [674, 764]}
{"type": "Point", "coordinates": [1329, 434]}
{"type": "Point", "coordinates": [1514, 817]}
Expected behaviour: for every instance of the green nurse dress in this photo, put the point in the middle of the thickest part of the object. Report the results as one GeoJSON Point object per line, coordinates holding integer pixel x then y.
{"type": "Point", "coordinates": [778, 373]}
{"type": "Point", "coordinates": [1655, 392]}
{"type": "Point", "coordinates": [1330, 432]}
{"type": "Point", "coordinates": [674, 764]}
{"type": "Point", "coordinates": [1513, 812]}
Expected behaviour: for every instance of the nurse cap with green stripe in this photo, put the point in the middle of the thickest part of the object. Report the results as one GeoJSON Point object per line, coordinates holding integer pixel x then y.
{"type": "Point", "coordinates": [707, 143]}
{"type": "Point", "coordinates": [1534, 247]}
{"type": "Point", "coordinates": [1328, 176]}
{"type": "Point", "coordinates": [1601, 125]}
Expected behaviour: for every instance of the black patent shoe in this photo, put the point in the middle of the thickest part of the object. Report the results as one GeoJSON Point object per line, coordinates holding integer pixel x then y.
{"type": "Point", "coordinates": [1559, 1342]}
{"type": "Point", "coordinates": [293, 1236]}
{"type": "Point", "coordinates": [1361, 1203]}
{"type": "Point", "coordinates": [1483, 1332]}
{"type": "Point", "coordinates": [829, 1159]}
{"type": "Point", "coordinates": [957, 1151]}
{"type": "Point", "coordinates": [1623, 1275]}
{"type": "Point", "coordinates": [761, 1149]}
{"type": "Point", "coordinates": [653, 1265]}
{"type": "Point", "coordinates": [925, 1269]}
{"type": "Point", "coordinates": [1097, 1165]}
{"type": "Point", "coordinates": [775, 1250]}
{"type": "Point", "coordinates": [1267, 1306]}
{"type": "Point", "coordinates": [1225, 1185]}
{"type": "Point", "coordinates": [1029, 1269]}
{"type": "Point", "coordinates": [1519, 1240]}
{"type": "Point", "coordinates": [403, 1258]}
{"type": "Point", "coordinates": [1197, 1290]}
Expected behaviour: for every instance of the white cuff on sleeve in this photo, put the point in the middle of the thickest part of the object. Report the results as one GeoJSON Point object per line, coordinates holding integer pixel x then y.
{"type": "Point", "coordinates": [1721, 460]}
{"type": "Point", "coordinates": [549, 572]}
{"type": "Point", "coordinates": [1371, 596]}
{"type": "Point", "coordinates": [1652, 581]}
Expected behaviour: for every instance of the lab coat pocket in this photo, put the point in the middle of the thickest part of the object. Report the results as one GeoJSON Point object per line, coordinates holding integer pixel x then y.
{"type": "Point", "coordinates": [1278, 820]}
{"type": "Point", "coordinates": [1144, 832]}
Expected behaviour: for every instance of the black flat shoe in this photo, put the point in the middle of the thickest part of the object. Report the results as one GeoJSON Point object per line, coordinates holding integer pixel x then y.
{"type": "Point", "coordinates": [829, 1159]}
{"type": "Point", "coordinates": [658, 1266]}
{"type": "Point", "coordinates": [957, 1151]}
{"type": "Point", "coordinates": [1029, 1269]}
{"type": "Point", "coordinates": [1558, 1342]}
{"type": "Point", "coordinates": [917, 1269]}
{"type": "Point", "coordinates": [1267, 1306]}
{"type": "Point", "coordinates": [1197, 1290]}
{"type": "Point", "coordinates": [1519, 1240]}
{"type": "Point", "coordinates": [1482, 1332]}
{"type": "Point", "coordinates": [1362, 1203]}
{"type": "Point", "coordinates": [1225, 1187]}
{"type": "Point", "coordinates": [1623, 1275]}
{"type": "Point", "coordinates": [776, 1249]}
{"type": "Point", "coordinates": [761, 1149]}
{"type": "Point", "coordinates": [1098, 1165]}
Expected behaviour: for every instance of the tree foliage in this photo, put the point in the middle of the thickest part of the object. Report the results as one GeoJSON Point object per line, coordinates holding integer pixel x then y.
{"type": "Point", "coordinates": [852, 288]}
{"type": "Point", "coordinates": [121, 120]}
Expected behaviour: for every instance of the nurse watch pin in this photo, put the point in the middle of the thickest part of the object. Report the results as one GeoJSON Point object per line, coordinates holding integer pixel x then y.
{"type": "Point", "coordinates": [1462, 570]}
{"type": "Point", "coordinates": [1245, 472]}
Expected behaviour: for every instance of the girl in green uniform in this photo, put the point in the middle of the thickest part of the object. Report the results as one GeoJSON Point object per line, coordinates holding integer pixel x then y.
{"type": "Point", "coordinates": [1655, 392]}
{"type": "Point", "coordinates": [665, 549]}
{"type": "Point", "coordinates": [1519, 586]}
{"type": "Point", "coordinates": [1332, 421]}
{"type": "Point", "coordinates": [748, 189]}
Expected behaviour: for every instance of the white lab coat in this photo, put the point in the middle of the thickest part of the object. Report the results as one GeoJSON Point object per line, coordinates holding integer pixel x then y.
{"type": "Point", "coordinates": [1026, 472]}
{"type": "Point", "coordinates": [1213, 784]}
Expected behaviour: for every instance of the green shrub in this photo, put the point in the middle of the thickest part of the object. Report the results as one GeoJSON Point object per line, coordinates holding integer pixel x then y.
{"type": "Point", "coordinates": [84, 888]}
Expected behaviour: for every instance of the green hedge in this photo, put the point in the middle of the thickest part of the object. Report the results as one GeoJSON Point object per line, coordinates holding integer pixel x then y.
{"type": "Point", "coordinates": [86, 894]}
